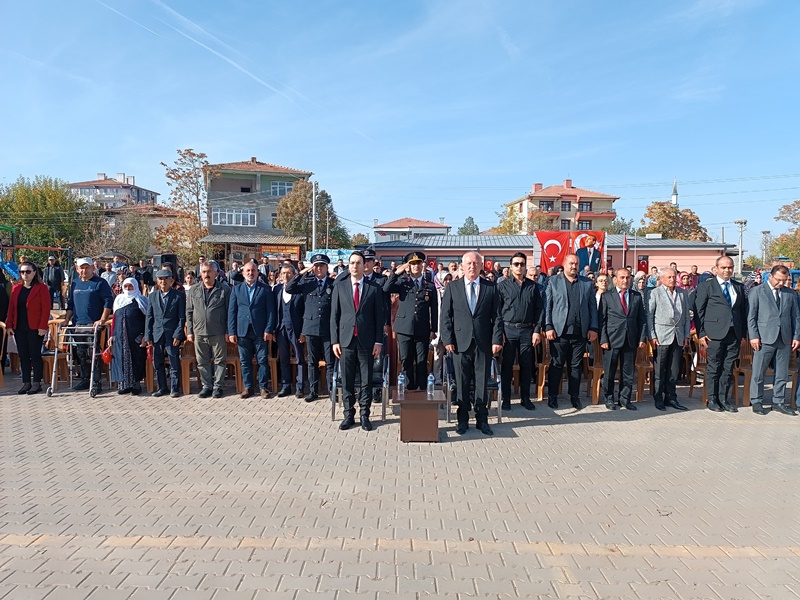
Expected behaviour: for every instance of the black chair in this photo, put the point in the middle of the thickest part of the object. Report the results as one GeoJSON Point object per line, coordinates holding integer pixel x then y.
{"type": "Point", "coordinates": [380, 385]}
{"type": "Point", "coordinates": [492, 386]}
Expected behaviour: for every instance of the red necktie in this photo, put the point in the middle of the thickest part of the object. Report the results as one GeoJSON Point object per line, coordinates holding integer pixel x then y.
{"type": "Point", "coordinates": [624, 304]}
{"type": "Point", "coordinates": [356, 299]}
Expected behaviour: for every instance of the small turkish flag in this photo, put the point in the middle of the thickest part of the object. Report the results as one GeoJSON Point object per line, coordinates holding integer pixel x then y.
{"type": "Point", "coordinates": [625, 241]}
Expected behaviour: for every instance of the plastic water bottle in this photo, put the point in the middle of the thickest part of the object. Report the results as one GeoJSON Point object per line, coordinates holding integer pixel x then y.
{"type": "Point", "coordinates": [401, 385]}
{"type": "Point", "coordinates": [431, 386]}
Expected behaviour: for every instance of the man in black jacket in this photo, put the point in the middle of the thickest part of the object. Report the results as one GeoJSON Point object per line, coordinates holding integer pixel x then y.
{"type": "Point", "coordinates": [54, 277]}
{"type": "Point", "coordinates": [417, 317]}
{"type": "Point", "coordinates": [623, 329]}
{"type": "Point", "coordinates": [166, 316]}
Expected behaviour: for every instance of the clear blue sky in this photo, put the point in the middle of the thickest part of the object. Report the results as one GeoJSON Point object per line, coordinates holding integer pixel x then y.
{"type": "Point", "coordinates": [428, 109]}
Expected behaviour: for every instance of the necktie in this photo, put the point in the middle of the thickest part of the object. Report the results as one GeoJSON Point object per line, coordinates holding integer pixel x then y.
{"type": "Point", "coordinates": [473, 299]}
{"type": "Point", "coordinates": [320, 283]}
{"type": "Point", "coordinates": [622, 299]}
{"type": "Point", "coordinates": [356, 299]}
{"type": "Point", "coordinates": [416, 282]}
{"type": "Point", "coordinates": [727, 292]}
{"type": "Point", "coordinates": [778, 298]}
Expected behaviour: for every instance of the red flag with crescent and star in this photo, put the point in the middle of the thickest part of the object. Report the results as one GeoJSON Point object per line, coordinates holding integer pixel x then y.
{"type": "Point", "coordinates": [555, 247]}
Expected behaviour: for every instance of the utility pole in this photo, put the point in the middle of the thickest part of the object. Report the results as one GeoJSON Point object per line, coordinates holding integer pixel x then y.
{"type": "Point", "coordinates": [741, 223]}
{"type": "Point", "coordinates": [765, 246]}
{"type": "Point", "coordinates": [314, 216]}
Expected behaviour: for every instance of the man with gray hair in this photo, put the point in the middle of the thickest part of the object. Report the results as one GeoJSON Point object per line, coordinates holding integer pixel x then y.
{"type": "Point", "coordinates": [206, 324]}
{"type": "Point", "coordinates": [669, 327]}
{"type": "Point", "coordinates": [474, 304]}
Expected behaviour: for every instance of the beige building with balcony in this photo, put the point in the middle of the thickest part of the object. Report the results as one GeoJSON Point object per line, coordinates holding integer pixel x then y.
{"type": "Point", "coordinates": [568, 207]}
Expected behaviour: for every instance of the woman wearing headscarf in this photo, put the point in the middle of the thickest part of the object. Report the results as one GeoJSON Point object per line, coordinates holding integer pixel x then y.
{"type": "Point", "coordinates": [752, 281]}
{"type": "Point", "coordinates": [28, 316]}
{"type": "Point", "coordinates": [127, 335]}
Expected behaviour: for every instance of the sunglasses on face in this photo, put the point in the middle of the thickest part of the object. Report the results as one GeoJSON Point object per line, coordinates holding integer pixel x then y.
{"type": "Point", "coordinates": [517, 264]}
{"type": "Point", "coordinates": [26, 272]}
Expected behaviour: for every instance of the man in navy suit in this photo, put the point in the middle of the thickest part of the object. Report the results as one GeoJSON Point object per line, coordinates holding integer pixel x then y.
{"type": "Point", "coordinates": [251, 324]}
{"type": "Point", "coordinates": [288, 332]}
{"type": "Point", "coordinates": [166, 316]}
{"type": "Point", "coordinates": [472, 331]}
{"type": "Point", "coordinates": [721, 317]}
{"type": "Point", "coordinates": [356, 336]}
{"type": "Point", "coordinates": [588, 256]}
{"type": "Point", "coordinates": [623, 329]}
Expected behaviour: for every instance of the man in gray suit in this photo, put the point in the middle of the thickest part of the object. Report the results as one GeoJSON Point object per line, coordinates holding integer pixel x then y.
{"type": "Point", "coordinates": [773, 325]}
{"type": "Point", "coordinates": [570, 319]}
{"type": "Point", "coordinates": [669, 328]}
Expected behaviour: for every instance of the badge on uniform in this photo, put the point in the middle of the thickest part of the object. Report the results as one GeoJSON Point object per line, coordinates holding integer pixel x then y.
{"type": "Point", "coordinates": [427, 297]}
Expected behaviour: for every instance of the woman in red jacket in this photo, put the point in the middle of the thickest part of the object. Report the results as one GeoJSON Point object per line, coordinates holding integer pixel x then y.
{"type": "Point", "coordinates": [28, 314]}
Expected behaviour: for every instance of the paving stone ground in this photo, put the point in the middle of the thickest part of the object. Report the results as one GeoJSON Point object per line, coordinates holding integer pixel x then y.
{"type": "Point", "coordinates": [122, 497]}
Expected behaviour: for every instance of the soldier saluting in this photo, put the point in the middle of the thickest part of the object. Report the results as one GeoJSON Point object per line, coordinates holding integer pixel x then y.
{"type": "Point", "coordinates": [417, 317]}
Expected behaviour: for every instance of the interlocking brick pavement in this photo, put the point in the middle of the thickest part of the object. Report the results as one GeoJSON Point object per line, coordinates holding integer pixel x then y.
{"type": "Point", "coordinates": [138, 497]}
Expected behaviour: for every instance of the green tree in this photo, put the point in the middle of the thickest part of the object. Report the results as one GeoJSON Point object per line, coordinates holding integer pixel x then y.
{"type": "Point", "coordinates": [673, 223]}
{"type": "Point", "coordinates": [45, 212]}
{"type": "Point", "coordinates": [187, 194]}
{"type": "Point", "coordinates": [469, 227]}
{"type": "Point", "coordinates": [359, 239]}
{"type": "Point", "coordinates": [294, 217]}
{"type": "Point", "coordinates": [753, 261]}
{"type": "Point", "coordinates": [510, 221]}
{"type": "Point", "coordinates": [134, 236]}
{"type": "Point", "coordinates": [539, 221]}
{"type": "Point", "coordinates": [621, 225]}
{"type": "Point", "coordinates": [787, 244]}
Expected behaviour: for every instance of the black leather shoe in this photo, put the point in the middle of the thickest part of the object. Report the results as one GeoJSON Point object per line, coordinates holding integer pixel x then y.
{"type": "Point", "coordinates": [528, 405]}
{"type": "Point", "coordinates": [136, 390]}
{"type": "Point", "coordinates": [25, 389]}
{"type": "Point", "coordinates": [611, 405]}
{"type": "Point", "coordinates": [781, 408]}
{"type": "Point", "coordinates": [347, 423]}
{"type": "Point", "coordinates": [576, 403]}
{"type": "Point", "coordinates": [629, 406]}
{"type": "Point", "coordinates": [676, 405]}
{"type": "Point", "coordinates": [218, 393]}
{"type": "Point", "coordinates": [485, 429]}
{"type": "Point", "coordinates": [83, 384]}
{"type": "Point", "coordinates": [311, 397]}
{"type": "Point", "coordinates": [285, 391]}
{"type": "Point", "coordinates": [661, 406]}
{"type": "Point", "coordinates": [299, 394]}
{"type": "Point", "coordinates": [35, 389]}
{"type": "Point", "coordinates": [552, 402]}
{"type": "Point", "coordinates": [159, 393]}
{"type": "Point", "coordinates": [366, 424]}
{"type": "Point", "coordinates": [461, 429]}
{"type": "Point", "coordinates": [506, 405]}
{"type": "Point", "coordinates": [728, 407]}
{"type": "Point", "coordinates": [758, 409]}
{"type": "Point", "coordinates": [124, 391]}
{"type": "Point", "coordinates": [205, 393]}
{"type": "Point", "coordinates": [715, 407]}
{"type": "Point", "coordinates": [174, 394]}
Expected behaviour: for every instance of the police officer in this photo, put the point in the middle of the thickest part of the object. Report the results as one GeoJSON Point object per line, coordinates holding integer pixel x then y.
{"type": "Point", "coordinates": [315, 286]}
{"type": "Point", "coordinates": [417, 317]}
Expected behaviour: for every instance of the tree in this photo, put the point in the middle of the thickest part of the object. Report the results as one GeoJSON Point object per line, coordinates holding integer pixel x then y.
{"type": "Point", "coordinates": [294, 217]}
{"type": "Point", "coordinates": [45, 212]}
{"type": "Point", "coordinates": [186, 181]}
{"type": "Point", "coordinates": [134, 236]}
{"type": "Point", "coordinates": [359, 239]}
{"type": "Point", "coordinates": [753, 261]}
{"type": "Point", "coordinates": [790, 213]}
{"type": "Point", "coordinates": [469, 227]}
{"type": "Point", "coordinates": [787, 244]}
{"type": "Point", "coordinates": [620, 225]}
{"type": "Point", "coordinates": [510, 221]}
{"type": "Point", "coordinates": [673, 223]}
{"type": "Point", "coordinates": [539, 221]}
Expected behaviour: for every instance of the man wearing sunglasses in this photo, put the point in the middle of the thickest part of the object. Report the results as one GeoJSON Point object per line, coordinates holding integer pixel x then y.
{"type": "Point", "coordinates": [521, 310]}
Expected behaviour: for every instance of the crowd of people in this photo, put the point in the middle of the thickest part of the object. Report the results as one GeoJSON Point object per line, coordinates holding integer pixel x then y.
{"type": "Point", "coordinates": [316, 315]}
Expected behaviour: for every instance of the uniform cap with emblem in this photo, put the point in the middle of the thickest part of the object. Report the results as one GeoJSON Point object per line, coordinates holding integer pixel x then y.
{"type": "Point", "coordinates": [369, 254]}
{"type": "Point", "coordinates": [320, 259]}
{"type": "Point", "coordinates": [413, 257]}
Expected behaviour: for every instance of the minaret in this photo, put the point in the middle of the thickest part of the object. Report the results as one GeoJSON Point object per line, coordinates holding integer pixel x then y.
{"type": "Point", "coordinates": [674, 199]}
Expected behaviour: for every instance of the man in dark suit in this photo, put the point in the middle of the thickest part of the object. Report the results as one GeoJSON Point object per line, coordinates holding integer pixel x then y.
{"type": "Point", "coordinates": [378, 279]}
{"type": "Point", "coordinates": [417, 317]}
{"type": "Point", "coordinates": [623, 329]}
{"type": "Point", "coordinates": [288, 333]}
{"type": "Point", "coordinates": [166, 316]}
{"type": "Point", "coordinates": [357, 337]}
{"type": "Point", "coordinates": [588, 256]}
{"type": "Point", "coordinates": [773, 324]}
{"type": "Point", "coordinates": [316, 288]}
{"type": "Point", "coordinates": [570, 319]}
{"type": "Point", "coordinates": [721, 318]}
{"type": "Point", "coordinates": [251, 324]}
{"type": "Point", "coordinates": [472, 331]}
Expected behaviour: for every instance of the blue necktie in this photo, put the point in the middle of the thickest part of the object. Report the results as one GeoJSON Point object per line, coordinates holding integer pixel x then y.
{"type": "Point", "coordinates": [726, 292]}
{"type": "Point", "coordinates": [472, 298]}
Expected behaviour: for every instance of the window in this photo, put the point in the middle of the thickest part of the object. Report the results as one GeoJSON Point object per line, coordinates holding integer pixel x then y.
{"type": "Point", "coordinates": [585, 206]}
{"type": "Point", "coordinates": [243, 217]}
{"type": "Point", "coordinates": [281, 188]}
{"type": "Point", "coordinates": [274, 220]}
{"type": "Point", "coordinates": [545, 206]}
{"type": "Point", "coordinates": [245, 190]}
{"type": "Point", "coordinates": [565, 224]}
{"type": "Point", "coordinates": [584, 225]}
{"type": "Point", "coordinates": [566, 206]}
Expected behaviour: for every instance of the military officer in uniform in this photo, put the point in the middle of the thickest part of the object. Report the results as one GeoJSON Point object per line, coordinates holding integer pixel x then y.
{"type": "Point", "coordinates": [417, 317]}
{"type": "Point", "coordinates": [315, 286]}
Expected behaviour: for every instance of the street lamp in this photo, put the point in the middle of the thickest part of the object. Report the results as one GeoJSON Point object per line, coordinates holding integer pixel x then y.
{"type": "Point", "coordinates": [741, 223]}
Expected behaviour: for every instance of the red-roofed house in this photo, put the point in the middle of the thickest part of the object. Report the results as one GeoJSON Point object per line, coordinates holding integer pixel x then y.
{"type": "Point", "coordinates": [114, 192]}
{"type": "Point", "coordinates": [568, 206]}
{"type": "Point", "coordinates": [408, 228]}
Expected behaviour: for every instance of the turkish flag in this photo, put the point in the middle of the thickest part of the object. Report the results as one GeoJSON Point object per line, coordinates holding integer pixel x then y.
{"type": "Point", "coordinates": [625, 241]}
{"type": "Point", "coordinates": [432, 263]}
{"type": "Point", "coordinates": [555, 247]}
{"type": "Point", "coordinates": [488, 264]}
